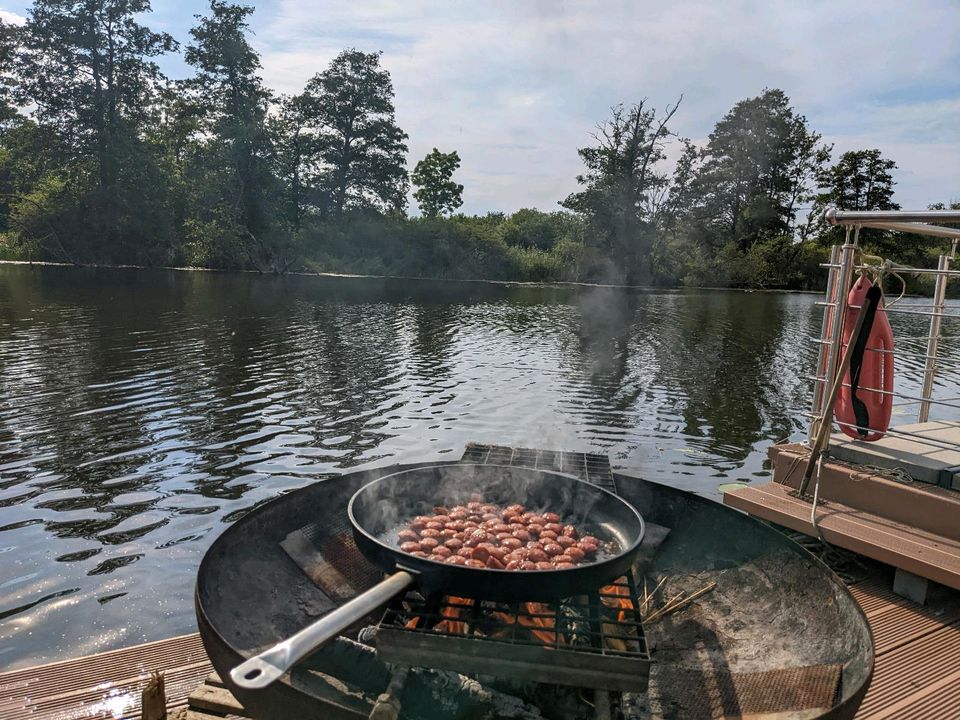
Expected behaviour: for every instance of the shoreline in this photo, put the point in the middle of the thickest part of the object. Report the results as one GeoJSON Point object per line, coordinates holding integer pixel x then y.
{"type": "Point", "coordinates": [416, 278]}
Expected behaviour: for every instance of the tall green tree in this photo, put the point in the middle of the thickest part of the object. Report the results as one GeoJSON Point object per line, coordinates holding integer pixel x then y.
{"type": "Point", "coordinates": [234, 179]}
{"type": "Point", "coordinates": [859, 180]}
{"type": "Point", "coordinates": [85, 70]}
{"type": "Point", "coordinates": [360, 147]}
{"type": "Point", "coordinates": [437, 194]}
{"type": "Point", "coordinates": [756, 168]}
{"type": "Point", "coordinates": [623, 184]}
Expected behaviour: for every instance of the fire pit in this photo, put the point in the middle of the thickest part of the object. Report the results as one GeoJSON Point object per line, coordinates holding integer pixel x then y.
{"type": "Point", "coordinates": [746, 648]}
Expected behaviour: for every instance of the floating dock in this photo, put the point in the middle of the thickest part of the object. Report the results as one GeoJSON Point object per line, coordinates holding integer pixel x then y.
{"type": "Point", "coordinates": [881, 513]}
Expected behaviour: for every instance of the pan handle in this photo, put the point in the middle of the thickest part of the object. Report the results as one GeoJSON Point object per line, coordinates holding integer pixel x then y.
{"type": "Point", "coordinates": [261, 670]}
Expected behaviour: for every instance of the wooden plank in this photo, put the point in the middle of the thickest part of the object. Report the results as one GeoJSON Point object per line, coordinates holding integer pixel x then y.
{"type": "Point", "coordinates": [941, 699]}
{"type": "Point", "coordinates": [909, 680]}
{"type": "Point", "coordinates": [921, 460]}
{"type": "Point", "coordinates": [214, 680]}
{"type": "Point", "coordinates": [100, 686]}
{"type": "Point", "coordinates": [906, 622]}
{"type": "Point", "coordinates": [874, 595]}
{"type": "Point", "coordinates": [922, 553]}
{"type": "Point", "coordinates": [916, 504]}
{"type": "Point", "coordinates": [914, 672]}
{"type": "Point", "coordinates": [207, 697]}
{"type": "Point", "coordinates": [106, 666]}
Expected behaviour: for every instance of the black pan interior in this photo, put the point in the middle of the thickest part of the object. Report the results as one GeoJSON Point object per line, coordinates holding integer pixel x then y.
{"type": "Point", "coordinates": [386, 505]}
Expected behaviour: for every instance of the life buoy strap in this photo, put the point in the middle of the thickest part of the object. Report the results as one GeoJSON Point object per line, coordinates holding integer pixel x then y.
{"type": "Point", "coordinates": [856, 361]}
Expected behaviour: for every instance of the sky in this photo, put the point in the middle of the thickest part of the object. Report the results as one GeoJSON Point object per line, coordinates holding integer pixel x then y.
{"type": "Point", "coordinates": [516, 87]}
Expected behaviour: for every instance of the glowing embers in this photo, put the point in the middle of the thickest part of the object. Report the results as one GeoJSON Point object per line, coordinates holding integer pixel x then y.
{"type": "Point", "coordinates": [594, 640]}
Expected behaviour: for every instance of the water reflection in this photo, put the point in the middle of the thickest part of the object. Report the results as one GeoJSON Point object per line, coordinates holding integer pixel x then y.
{"type": "Point", "coordinates": [141, 411]}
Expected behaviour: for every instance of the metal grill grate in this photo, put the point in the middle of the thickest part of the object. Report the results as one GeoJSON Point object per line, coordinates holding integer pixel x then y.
{"type": "Point", "coordinates": [587, 641]}
{"type": "Point", "coordinates": [592, 467]}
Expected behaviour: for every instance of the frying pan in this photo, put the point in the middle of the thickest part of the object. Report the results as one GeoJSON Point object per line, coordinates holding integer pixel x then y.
{"type": "Point", "coordinates": [380, 509]}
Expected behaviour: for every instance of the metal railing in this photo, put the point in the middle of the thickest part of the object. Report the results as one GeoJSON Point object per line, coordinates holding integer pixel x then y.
{"type": "Point", "coordinates": [842, 265]}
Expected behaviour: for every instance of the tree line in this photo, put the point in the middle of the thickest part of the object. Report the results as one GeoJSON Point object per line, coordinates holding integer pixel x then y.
{"type": "Point", "coordinates": [104, 160]}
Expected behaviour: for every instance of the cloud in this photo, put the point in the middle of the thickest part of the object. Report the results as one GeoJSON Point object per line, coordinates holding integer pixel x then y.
{"type": "Point", "coordinates": [517, 87]}
{"type": "Point", "coordinates": [12, 18]}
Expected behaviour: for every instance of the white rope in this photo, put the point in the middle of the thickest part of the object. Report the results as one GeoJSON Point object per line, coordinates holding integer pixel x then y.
{"type": "Point", "coordinates": [816, 497]}
{"type": "Point", "coordinates": [880, 269]}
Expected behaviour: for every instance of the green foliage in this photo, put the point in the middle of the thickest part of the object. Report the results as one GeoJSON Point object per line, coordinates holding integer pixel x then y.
{"type": "Point", "coordinates": [86, 71]}
{"type": "Point", "coordinates": [456, 247]}
{"type": "Point", "coordinates": [9, 41]}
{"type": "Point", "coordinates": [295, 149]}
{"type": "Point", "coordinates": [437, 194]}
{"type": "Point", "coordinates": [213, 242]}
{"type": "Point", "coordinates": [542, 231]}
{"type": "Point", "coordinates": [859, 180]}
{"type": "Point", "coordinates": [774, 263]}
{"type": "Point", "coordinates": [232, 103]}
{"type": "Point", "coordinates": [42, 220]}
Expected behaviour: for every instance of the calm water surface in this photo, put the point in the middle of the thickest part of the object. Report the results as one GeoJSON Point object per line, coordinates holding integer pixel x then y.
{"type": "Point", "coordinates": [143, 411]}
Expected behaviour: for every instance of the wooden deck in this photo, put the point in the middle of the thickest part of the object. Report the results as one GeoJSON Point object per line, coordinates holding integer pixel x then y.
{"type": "Point", "coordinates": [908, 525]}
{"type": "Point", "coordinates": [104, 686]}
{"type": "Point", "coordinates": [916, 676]}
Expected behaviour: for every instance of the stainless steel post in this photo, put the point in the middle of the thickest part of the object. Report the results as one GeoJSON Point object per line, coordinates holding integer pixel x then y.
{"type": "Point", "coordinates": [820, 388]}
{"type": "Point", "coordinates": [933, 338]}
{"type": "Point", "coordinates": [844, 279]}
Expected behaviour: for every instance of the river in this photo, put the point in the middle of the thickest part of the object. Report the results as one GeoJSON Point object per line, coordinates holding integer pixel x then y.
{"type": "Point", "coordinates": [143, 411]}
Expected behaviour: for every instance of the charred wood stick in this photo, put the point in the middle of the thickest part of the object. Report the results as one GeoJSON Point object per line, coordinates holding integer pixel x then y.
{"type": "Point", "coordinates": [668, 607]}
{"type": "Point", "coordinates": [153, 700]}
{"type": "Point", "coordinates": [659, 611]}
{"type": "Point", "coordinates": [649, 598]}
{"type": "Point", "coordinates": [682, 603]}
{"type": "Point", "coordinates": [387, 706]}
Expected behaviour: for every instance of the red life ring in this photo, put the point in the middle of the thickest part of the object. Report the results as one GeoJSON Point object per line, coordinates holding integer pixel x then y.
{"type": "Point", "coordinates": [862, 412]}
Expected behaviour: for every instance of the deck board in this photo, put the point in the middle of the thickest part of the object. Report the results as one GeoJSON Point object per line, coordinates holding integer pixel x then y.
{"type": "Point", "coordinates": [921, 460]}
{"type": "Point", "coordinates": [920, 552]}
{"type": "Point", "coordinates": [106, 685]}
{"type": "Point", "coordinates": [907, 676]}
{"type": "Point", "coordinates": [914, 676]}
